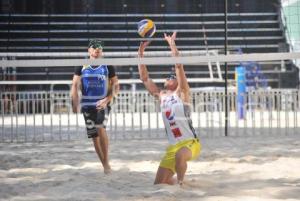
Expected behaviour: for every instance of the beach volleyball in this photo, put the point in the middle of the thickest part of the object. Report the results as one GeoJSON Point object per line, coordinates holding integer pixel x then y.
{"type": "Point", "coordinates": [146, 28]}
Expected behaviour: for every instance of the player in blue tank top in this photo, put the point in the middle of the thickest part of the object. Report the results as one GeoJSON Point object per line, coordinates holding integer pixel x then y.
{"type": "Point", "coordinates": [99, 85]}
{"type": "Point", "coordinates": [94, 81]}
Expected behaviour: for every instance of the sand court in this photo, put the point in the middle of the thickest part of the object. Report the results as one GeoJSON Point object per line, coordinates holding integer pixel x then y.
{"type": "Point", "coordinates": [229, 168]}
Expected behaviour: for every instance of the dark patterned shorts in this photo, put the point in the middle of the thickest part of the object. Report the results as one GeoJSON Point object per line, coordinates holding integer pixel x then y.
{"type": "Point", "coordinates": [95, 119]}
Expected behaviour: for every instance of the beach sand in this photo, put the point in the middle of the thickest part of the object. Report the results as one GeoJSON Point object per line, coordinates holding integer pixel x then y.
{"type": "Point", "coordinates": [229, 168]}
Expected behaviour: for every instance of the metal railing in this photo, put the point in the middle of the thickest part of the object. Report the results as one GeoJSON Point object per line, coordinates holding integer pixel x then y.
{"type": "Point", "coordinates": [48, 116]}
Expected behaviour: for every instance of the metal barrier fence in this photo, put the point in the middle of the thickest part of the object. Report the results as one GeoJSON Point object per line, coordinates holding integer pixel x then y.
{"type": "Point", "coordinates": [48, 116]}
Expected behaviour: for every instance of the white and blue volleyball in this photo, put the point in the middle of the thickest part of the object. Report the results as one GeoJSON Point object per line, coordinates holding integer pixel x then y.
{"type": "Point", "coordinates": [146, 28]}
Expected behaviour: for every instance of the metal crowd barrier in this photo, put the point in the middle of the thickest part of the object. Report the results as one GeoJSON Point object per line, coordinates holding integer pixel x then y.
{"type": "Point", "coordinates": [48, 116]}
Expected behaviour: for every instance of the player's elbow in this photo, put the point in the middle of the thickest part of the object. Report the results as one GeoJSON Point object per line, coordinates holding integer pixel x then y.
{"type": "Point", "coordinates": [73, 89]}
{"type": "Point", "coordinates": [74, 94]}
{"type": "Point", "coordinates": [144, 78]}
{"type": "Point", "coordinates": [117, 87]}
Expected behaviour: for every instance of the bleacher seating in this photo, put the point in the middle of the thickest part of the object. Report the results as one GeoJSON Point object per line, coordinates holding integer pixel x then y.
{"type": "Point", "coordinates": [251, 32]}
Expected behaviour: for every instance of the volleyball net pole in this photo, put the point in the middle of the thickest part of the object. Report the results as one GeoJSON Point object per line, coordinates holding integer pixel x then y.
{"type": "Point", "coordinates": [225, 67]}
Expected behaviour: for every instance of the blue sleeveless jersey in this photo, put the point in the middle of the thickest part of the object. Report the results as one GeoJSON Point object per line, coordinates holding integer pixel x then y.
{"type": "Point", "coordinates": [94, 84]}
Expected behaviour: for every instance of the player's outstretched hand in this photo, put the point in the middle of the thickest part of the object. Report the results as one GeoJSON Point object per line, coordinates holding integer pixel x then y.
{"type": "Point", "coordinates": [170, 39]}
{"type": "Point", "coordinates": [142, 48]}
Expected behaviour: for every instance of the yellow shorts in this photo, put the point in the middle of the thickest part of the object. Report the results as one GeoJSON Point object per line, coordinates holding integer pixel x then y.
{"type": "Point", "coordinates": [168, 161]}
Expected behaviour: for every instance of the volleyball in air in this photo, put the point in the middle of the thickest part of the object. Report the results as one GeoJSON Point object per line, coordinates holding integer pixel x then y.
{"type": "Point", "coordinates": [146, 28]}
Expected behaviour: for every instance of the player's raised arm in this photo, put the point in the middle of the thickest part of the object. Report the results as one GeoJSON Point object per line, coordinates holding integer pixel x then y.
{"type": "Point", "coordinates": [144, 75]}
{"type": "Point", "coordinates": [183, 88]}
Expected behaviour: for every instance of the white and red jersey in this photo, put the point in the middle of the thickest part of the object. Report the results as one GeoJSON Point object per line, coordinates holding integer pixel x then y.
{"type": "Point", "coordinates": [176, 117]}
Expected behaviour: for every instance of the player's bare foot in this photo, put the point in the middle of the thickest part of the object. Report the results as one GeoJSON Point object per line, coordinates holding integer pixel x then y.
{"type": "Point", "coordinates": [180, 184]}
{"type": "Point", "coordinates": [107, 169]}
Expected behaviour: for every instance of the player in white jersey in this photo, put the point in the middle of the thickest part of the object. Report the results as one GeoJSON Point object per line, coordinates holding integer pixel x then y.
{"type": "Point", "coordinates": [175, 101]}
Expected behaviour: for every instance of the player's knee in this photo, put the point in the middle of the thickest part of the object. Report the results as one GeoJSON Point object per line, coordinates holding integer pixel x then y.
{"type": "Point", "coordinates": [101, 129]}
{"type": "Point", "coordinates": [159, 181]}
{"type": "Point", "coordinates": [164, 181]}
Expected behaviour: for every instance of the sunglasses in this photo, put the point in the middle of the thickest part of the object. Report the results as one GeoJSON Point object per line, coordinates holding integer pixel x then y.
{"type": "Point", "coordinates": [171, 77]}
{"type": "Point", "coordinates": [96, 46]}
